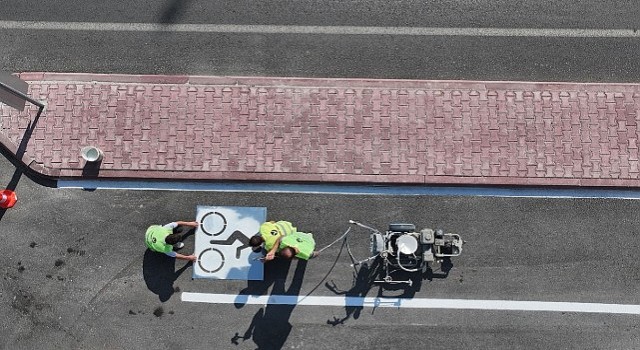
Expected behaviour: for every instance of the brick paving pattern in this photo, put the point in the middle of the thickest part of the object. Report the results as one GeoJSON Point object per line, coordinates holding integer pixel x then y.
{"type": "Point", "coordinates": [434, 132]}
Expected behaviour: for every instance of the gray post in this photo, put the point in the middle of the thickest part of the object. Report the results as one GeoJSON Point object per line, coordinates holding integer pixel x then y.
{"type": "Point", "coordinates": [22, 95]}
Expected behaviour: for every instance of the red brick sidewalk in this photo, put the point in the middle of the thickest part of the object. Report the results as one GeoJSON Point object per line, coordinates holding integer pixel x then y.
{"type": "Point", "coordinates": [444, 132]}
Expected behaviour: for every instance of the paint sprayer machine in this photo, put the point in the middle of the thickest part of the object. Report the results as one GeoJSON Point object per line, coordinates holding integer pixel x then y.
{"type": "Point", "coordinates": [401, 248]}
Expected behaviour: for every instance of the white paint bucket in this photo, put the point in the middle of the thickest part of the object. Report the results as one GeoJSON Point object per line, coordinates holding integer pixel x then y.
{"type": "Point", "coordinates": [407, 244]}
{"type": "Point", "coordinates": [92, 154]}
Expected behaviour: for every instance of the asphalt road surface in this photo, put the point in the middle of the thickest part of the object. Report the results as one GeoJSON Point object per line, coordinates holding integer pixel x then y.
{"type": "Point", "coordinates": [586, 41]}
{"type": "Point", "coordinates": [76, 274]}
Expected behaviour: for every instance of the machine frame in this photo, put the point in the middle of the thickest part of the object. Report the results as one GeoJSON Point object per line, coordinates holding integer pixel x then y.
{"type": "Point", "coordinates": [402, 248]}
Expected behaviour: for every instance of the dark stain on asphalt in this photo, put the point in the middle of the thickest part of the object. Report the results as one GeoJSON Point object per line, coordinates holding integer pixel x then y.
{"type": "Point", "coordinates": [59, 263]}
{"type": "Point", "coordinates": [75, 251]}
{"type": "Point", "coordinates": [25, 303]}
{"type": "Point", "coordinates": [159, 311]}
{"type": "Point", "coordinates": [131, 312]}
{"type": "Point", "coordinates": [22, 301]}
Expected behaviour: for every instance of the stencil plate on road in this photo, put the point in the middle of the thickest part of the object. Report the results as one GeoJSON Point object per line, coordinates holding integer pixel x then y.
{"type": "Point", "coordinates": [222, 243]}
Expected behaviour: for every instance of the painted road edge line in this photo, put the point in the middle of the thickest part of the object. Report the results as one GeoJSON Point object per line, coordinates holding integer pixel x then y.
{"type": "Point", "coordinates": [324, 188]}
{"type": "Point", "coordinates": [326, 30]}
{"type": "Point", "coordinates": [414, 303]}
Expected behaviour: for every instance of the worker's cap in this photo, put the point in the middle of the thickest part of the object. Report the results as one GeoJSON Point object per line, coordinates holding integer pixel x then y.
{"type": "Point", "coordinates": [269, 228]}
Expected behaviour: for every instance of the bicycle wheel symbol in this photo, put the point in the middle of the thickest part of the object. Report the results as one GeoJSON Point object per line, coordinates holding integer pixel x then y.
{"type": "Point", "coordinates": [213, 222]}
{"type": "Point", "coordinates": [211, 262]}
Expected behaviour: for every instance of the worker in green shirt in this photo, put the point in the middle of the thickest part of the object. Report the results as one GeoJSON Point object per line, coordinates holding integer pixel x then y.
{"type": "Point", "coordinates": [298, 244]}
{"type": "Point", "coordinates": [270, 231]}
{"type": "Point", "coordinates": [161, 239]}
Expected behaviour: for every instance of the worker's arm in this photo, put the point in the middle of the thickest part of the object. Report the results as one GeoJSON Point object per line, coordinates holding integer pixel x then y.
{"type": "Point", "coordinates": [187, 223]}
{"type": "Point", "coordinates": [186, 257]}
{"type": "Point", "coordinates": [272, 253]}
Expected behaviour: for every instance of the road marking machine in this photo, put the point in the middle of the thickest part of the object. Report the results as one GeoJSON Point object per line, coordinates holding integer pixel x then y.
{"type": "Point", "coordinates": [402, 248]}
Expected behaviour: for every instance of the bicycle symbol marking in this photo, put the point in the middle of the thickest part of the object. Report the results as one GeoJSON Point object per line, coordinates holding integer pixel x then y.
{"type": "Point", "coordinates": [222, 239]}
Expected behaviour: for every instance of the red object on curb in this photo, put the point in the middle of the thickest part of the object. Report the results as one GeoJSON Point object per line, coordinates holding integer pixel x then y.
{"type": "Point", "coordinates": [8, 199]}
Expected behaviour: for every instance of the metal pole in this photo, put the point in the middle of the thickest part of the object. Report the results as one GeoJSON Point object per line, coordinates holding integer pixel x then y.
{"type": "Point", "coordinates": [22, 95]}
{"type": "Point", "coordinates": [40, 109]}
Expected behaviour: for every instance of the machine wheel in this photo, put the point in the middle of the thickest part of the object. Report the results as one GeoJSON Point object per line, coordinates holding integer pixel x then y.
{"type": "Point", "coordinates": [416, 282]}
{"type": "Point", "coordinates": [376, 244]}
{"type": "Point", "coordinates": [402, 227]}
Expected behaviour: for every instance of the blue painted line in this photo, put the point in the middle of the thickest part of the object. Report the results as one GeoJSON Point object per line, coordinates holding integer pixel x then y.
{"type": "Point", "coordinates": [323, 188]}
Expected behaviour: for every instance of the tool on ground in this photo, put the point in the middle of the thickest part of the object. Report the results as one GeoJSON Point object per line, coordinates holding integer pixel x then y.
{"type": "Point", "coordinates": [8, 199]}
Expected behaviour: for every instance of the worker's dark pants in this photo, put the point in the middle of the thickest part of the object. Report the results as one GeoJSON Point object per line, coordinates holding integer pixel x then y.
{"type": "Point", "coordinates": [183, 231]}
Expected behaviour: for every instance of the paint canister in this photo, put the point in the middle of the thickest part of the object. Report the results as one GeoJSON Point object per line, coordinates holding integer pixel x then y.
{"type": "Point", "coordinates": [92, 154]}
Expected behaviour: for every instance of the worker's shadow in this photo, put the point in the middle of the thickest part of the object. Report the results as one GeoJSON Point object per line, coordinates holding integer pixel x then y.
{"type": "Point", "coordinates": [270, 327]}
{"type": "Point", "coordinates": [159, 271]}
{"type": "Point", "coordinates": [173, 10]}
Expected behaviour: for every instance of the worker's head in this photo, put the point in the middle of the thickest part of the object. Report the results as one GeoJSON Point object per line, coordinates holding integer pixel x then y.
{"type": "Point", "coordinates": [256, 241]}
{"type": "Point", "coordinates": [172, 239]}
{"type": "Point", "coordinates": [287, 253]}
{"type": "Point", "coordinates": [269, 228]}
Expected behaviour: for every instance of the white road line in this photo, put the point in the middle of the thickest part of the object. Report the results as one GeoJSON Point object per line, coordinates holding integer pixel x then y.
{"type": "Point", "coordinates": [325, 188]}
{"type": "Point", "coordinates": [326, 30]}
{"type": "Point", "coordinates": [415, 303]}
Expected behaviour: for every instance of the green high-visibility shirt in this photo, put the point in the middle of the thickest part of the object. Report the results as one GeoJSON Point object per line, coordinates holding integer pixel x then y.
{"type": "Point", "coordinates": [303, 241]}
{"type": "Point", "coordinates": [271, 231]}
{"type": "Point", "coordinates": [154, 239]}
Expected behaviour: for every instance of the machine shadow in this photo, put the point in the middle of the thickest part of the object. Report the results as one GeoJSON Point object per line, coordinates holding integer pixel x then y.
{"type": "Point", "coordinates": [364, 281]}
{"type": "Point", "coordinates": [431, 272]}
{"type": "Point", "coordinates": [159, 273]}
{"type": "Point", "coordinates": [442, 272]}
{"type": "Point", "coordinates": [270, 327]}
